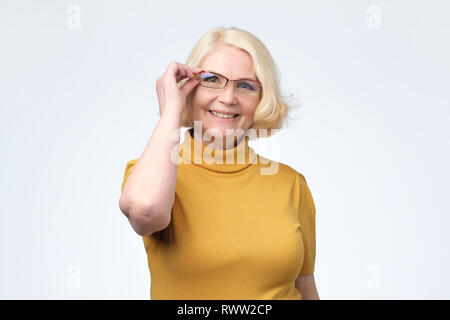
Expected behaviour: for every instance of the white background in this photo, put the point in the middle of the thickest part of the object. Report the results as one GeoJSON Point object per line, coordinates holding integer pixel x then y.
{"type": "Point", "coordinates": [371, 137]}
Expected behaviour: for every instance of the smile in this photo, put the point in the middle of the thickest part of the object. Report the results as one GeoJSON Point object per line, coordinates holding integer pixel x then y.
{"type": "Point", "coordinates": [223, 116]}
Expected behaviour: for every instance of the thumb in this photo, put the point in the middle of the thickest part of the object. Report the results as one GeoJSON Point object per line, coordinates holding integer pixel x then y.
{"type": "Point", "coordinates": [188, 86]}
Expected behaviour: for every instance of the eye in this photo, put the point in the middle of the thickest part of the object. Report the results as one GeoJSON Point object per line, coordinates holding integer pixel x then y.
{"type": "Point", "coordinates": [212, 78]}
{"type": "Point", "coordinates": [209, 77]}
{"type": "Point", "coordinates": [246, 85]}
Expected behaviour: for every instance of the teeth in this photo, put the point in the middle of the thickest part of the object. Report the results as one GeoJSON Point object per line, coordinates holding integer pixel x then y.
{"type": "Point", "coordinates": [223, 115]}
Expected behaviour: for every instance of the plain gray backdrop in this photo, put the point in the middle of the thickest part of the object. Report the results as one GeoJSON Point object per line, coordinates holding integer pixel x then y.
{"type": "Point", "coordinates": [78, 100]}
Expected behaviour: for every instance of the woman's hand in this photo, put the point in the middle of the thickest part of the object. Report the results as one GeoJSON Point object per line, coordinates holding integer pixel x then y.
{"type": "Point", "coordinates": [170, 94]}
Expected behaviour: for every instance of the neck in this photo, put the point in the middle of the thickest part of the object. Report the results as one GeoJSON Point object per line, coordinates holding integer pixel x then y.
{"type": "Point", "coordinates": [228, 142]}
{"type": "Point", "coordinates": [203, 153]}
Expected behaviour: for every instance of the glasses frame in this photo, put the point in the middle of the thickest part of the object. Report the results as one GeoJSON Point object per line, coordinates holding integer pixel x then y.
{"type": "Point", "coordinates": [199, 78]}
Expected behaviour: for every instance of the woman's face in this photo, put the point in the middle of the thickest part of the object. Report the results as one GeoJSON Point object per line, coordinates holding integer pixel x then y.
{"type": "Point", "coordinates": [232, 63]}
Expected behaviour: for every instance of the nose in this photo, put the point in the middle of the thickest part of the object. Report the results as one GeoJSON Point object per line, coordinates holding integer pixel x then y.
{"type": "Point", "coordinates": [228, 96]}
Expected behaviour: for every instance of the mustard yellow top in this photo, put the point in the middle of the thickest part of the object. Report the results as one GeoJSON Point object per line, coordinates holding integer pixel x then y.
{"type": "Point", "coordinates": [235, 233]}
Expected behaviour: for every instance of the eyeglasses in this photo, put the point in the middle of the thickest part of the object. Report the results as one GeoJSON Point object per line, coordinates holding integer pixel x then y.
{"type": "Point", "coordinates": [217, 81]}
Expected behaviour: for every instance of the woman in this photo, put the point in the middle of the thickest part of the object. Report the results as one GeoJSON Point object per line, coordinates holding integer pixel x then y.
{"type": "Point", "coordinates": [214, 228]}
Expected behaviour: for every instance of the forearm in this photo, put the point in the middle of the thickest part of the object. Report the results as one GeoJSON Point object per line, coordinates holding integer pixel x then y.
{"type": "Point", "coordinates": [306, 285]}
{"type": "Point", "coordinates": [310, 294]}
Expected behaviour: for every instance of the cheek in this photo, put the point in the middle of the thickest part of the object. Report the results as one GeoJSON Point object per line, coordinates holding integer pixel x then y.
{"type": "Point", "coordinates": [201, 98]}
{"type": "Point", "coordinates": [250, 111]}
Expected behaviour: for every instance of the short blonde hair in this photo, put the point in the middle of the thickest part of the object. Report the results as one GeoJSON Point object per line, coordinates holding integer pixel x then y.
{"type": "Point", "coordinates": [273, 108]}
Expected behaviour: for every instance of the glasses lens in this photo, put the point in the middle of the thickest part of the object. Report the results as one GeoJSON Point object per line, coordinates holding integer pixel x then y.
{"type": "Point", "coordinates": [212, 80]}
{"type": "Point", "coordinates": [248, 87]}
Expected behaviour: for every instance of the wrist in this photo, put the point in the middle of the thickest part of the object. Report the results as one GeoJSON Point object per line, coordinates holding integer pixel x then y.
{"type": "Point", "coordinates": [171, 118]}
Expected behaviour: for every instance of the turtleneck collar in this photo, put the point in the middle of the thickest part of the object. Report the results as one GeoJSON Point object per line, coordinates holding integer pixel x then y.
{"type": "Point", "coordinates": [206, 156]}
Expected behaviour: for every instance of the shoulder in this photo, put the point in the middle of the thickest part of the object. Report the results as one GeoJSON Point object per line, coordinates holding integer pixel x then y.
{"type": "Point", "coordinates": [281, 170]}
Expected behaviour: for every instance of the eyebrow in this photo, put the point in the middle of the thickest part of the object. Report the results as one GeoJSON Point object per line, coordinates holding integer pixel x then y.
{"type": "Point", "coordinates": [238, 79]}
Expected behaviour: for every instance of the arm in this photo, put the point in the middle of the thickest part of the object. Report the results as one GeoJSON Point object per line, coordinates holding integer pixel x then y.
{"type": "Point", "coordinates": [148, 194]}
{"type": "Point", "coordinates": [305, 282]}
{"type": "Point", "coordinates": [306, 285]}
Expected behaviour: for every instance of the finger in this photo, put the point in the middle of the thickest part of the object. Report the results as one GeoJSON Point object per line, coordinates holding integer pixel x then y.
{"type": "Point", "coordinates": [176, 70]}
{"type": "Point", "coordinates": [192, 72]}
{"type": "Point", "coordinates": [189, 73]}
{"type": "Point", "coordinates": [193, 69]}
{"type": "Point", "coordinates": [197, 70]}
{"type": "Point", "coordinates": [180, 71]}
{"type": "Point", "coordinates": [173, 67]}
{"type": "Point", "coordinates": [180, 77]}
{"type": "Point", "coordinates": [188, 86]}
{"type": "Point", "coordinates": [181, 68]}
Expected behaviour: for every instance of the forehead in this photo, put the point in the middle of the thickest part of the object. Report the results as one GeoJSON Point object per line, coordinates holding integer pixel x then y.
{"type": "Point", "coordinates": [229, 61]}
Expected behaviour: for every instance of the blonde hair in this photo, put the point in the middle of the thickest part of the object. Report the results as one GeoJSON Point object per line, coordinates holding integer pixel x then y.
{"type": "Point", "coordinates": [273, 107]}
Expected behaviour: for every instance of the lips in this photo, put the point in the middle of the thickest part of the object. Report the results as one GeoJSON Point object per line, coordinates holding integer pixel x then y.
{"type": "Point", "coordinates": [229, 113]}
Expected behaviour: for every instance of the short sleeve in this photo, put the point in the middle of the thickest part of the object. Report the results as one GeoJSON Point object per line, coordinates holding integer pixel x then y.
{"type": "Point", "coordinates": [129, 167]}
{"type": "Point", "coordinates": [307, 216]}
